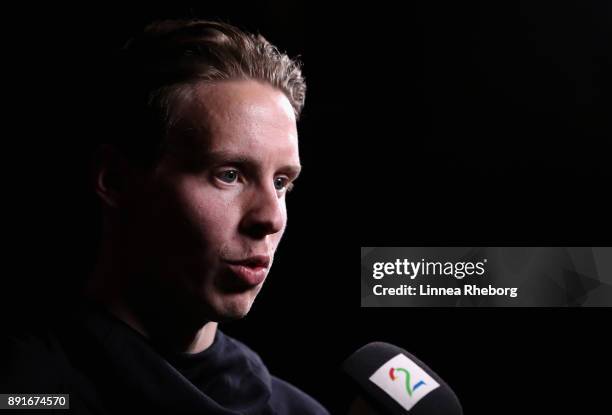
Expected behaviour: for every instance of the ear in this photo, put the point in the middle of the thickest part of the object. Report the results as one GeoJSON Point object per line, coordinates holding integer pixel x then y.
{"type": "Point", "coordinates": [110, 172]}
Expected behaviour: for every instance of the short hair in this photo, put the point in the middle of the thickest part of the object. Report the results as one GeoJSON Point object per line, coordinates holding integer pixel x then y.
{"type": "Point", "coordinates": [153, 68]}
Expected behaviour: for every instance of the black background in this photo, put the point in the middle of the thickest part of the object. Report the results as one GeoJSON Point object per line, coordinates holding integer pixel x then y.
{"type": "Point", "coordinates": [438, 123]}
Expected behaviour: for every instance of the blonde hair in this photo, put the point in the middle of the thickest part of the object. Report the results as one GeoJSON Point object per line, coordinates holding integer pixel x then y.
{"type": "Point", "coordinates": [155, 66]}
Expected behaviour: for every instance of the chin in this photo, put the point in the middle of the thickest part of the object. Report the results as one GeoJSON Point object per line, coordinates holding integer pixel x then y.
{"type": "Point", "coordinates": [236, 308]}
{"type": "Point", "coordinates": [231, 314]}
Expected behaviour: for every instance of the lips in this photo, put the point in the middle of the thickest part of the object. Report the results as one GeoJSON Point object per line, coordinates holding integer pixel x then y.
{"type": "Point", "coordinates": [251, 271]}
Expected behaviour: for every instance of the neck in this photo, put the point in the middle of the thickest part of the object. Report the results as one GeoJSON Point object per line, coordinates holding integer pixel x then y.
{"type": "Point", "coordinates": [185, 339]}
{"type": "Point", "coordinates": [170, 327]}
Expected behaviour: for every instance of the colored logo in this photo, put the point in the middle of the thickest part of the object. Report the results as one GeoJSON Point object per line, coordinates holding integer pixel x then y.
{"type": "Point", "coordinates": [394, 375]}
{"type": "Point", "coordinates": [404, 381]}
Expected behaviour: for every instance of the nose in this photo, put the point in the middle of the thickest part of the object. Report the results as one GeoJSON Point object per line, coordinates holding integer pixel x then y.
{"type": "Point", "coordinates": [264, 213]}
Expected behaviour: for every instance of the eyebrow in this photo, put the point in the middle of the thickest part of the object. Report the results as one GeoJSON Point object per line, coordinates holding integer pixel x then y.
{"type": "Point", "coordinates": [228, 157]}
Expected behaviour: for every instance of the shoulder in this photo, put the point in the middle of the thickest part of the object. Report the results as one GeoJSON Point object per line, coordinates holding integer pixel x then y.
{"type": "Point", "coordinates": [287, 399]}
{"type": "Point", "coordinates": [29, 361]}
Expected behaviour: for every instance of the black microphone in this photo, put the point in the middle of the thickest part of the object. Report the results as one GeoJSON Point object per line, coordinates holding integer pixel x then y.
{"type": "Point", "coordinates": [392, 381]}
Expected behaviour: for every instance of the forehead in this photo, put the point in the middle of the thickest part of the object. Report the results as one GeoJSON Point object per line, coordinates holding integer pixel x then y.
{"type": "Point", "coordinates": [243, 116]}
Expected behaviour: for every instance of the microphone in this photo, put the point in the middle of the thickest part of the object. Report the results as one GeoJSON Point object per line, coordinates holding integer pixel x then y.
{"type": "Point", "coordinates": [391, 381]}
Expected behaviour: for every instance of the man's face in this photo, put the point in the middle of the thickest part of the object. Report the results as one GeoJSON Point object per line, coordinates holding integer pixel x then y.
{"type": "Point", "coordinates": [205, 226]}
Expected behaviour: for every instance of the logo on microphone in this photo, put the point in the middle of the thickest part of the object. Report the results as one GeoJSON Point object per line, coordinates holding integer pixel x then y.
{"type": "Point", "coordinates": [404, 380]}
{"type": "Point", "coordinates": [393, 374]}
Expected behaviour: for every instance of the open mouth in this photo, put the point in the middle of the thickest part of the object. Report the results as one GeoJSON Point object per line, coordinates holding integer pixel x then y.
{"type": "Point", "coordinates": [250, 271]}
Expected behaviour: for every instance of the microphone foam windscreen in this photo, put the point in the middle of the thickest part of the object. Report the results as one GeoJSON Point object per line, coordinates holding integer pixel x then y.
{"type": "Point", "coordinates": [395, 382]}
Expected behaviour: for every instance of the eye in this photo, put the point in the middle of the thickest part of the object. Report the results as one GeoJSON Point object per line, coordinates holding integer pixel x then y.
{"type": "Point", "coordinates": [228, 176]}
{"type": "Point", "coordinates": [282, 183]}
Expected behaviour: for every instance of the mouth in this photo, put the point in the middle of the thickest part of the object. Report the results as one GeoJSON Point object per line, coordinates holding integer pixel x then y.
{"type": "Point", "coordinates": [250, 271]}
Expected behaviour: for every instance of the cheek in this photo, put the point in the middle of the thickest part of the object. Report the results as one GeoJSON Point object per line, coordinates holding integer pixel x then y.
{"type": "Point", "coordinates": [212, 215]}
{"type": "Point", "coordinates": [187, 219]}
